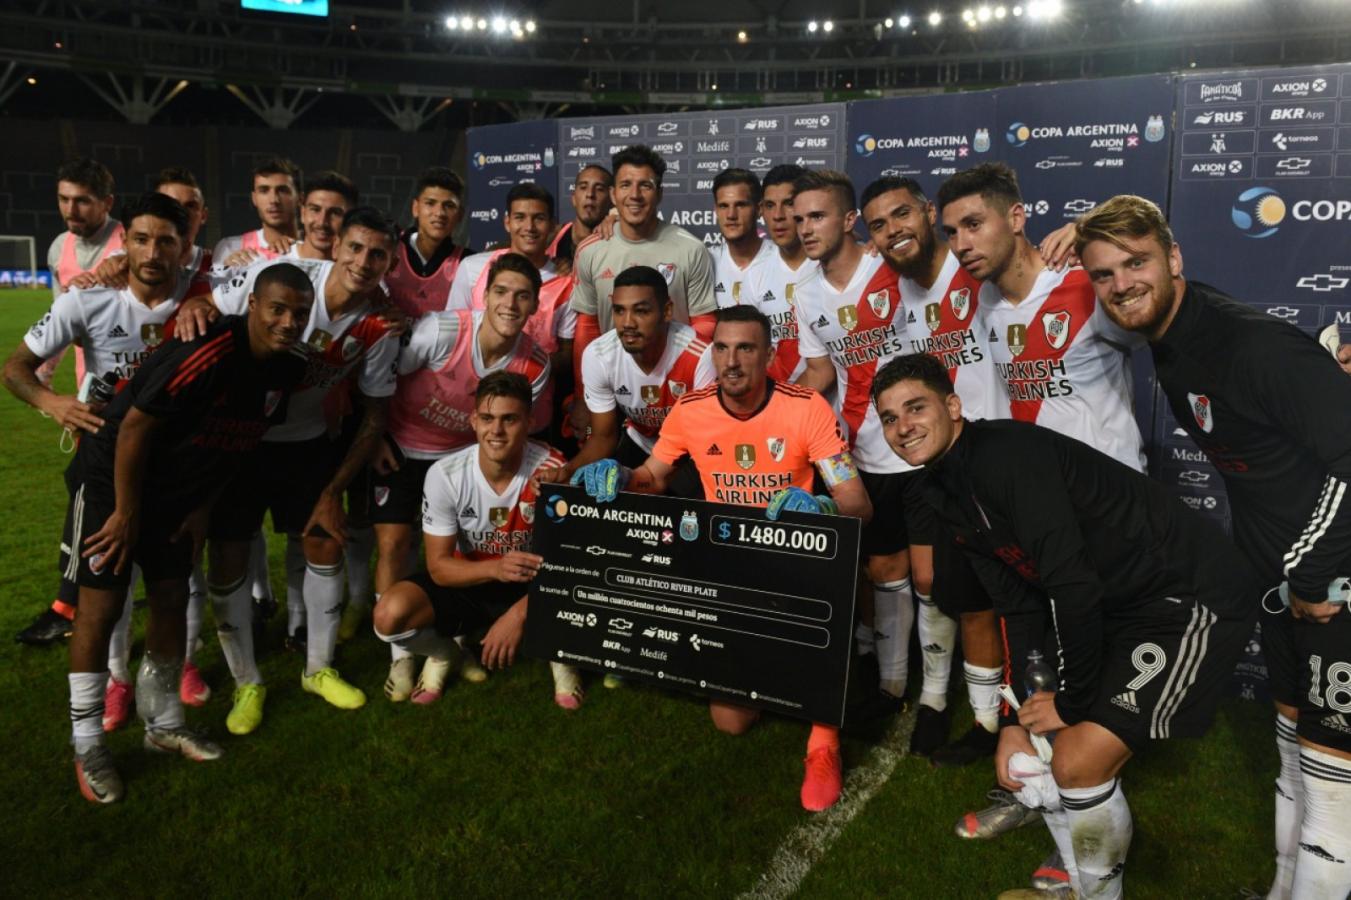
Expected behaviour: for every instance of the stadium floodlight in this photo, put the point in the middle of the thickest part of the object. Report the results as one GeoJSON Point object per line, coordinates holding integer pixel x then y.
{"type": "Point", "coordinates": [812, 27]}
{"type": "Point", "coordinates": [466, 23]}
{"type": "Point", "coordinates": [452, 23]}
{"type": "Point", "coordinates": [499, 25]}
{"type": "Point", "coordinates": [481, 24]}
{"type": "Point", "coordinates": [983, 14]}
{"type": "Point", "coordinates": [903, 21]}
{"type": "Point", "coordinates": [935, 18]}
{"type": "Point", "coordinates": [529, 26]}
{"type": "Point", "coordinates": [828, 26]}
{"type": "Point", "coordinates": [1000, 12]}
{"type": "Point", "coordinates": [889, 22]}
{"type": "Point", "coordinates": [1017, 11]}
{"type": "Point", "coordinates": [742, 37]}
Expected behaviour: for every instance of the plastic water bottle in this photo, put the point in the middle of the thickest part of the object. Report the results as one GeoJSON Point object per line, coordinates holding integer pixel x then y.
{"type": "Point", "coordinates": [1039, 675]}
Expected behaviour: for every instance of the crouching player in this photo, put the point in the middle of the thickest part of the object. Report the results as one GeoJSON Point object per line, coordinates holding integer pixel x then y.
{"type": "Point", "coordinates": [746, 408]}
{"type": "Point", "coordinates": [477, 511]}
{"type": "Point", "coordinates": [1146, 604]}
{"type": "Point", "coordinates": [141, 489]}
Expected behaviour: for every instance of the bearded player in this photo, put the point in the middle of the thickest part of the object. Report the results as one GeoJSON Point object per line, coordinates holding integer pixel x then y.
{"type": "Point", "coordinates": [746, 407]}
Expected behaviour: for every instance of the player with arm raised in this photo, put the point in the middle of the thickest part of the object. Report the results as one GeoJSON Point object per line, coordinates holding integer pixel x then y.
{"type": "Point", "coordinates": [303, 466]}
{"type": "Point", "coordinates": [850, 322]}
{"type": "Point", "coordinates": [142, 488]}
{"type": "Point", "coordinates": [477, 515]}
{"type": "Point", "coordinates": [755, 442]}
{"type": "Point", "coordinates": [736, 205]}
{"type": "Point", "coordinates": [634, 374]}
{"type": "Point", "coordinates": [428, 255]}
{"type": "Point", "coordinates": [1269, 407]}
{"type": "Point", "coordinates": [432, 414]}
{"type": "Point", "coordinates": [273, 193]}
{"type": "Point", "coordinates": [1146, 604]}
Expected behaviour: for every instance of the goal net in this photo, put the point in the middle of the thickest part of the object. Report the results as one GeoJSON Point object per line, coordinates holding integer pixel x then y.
{"type": "Point", "coordinates": [19, 262]}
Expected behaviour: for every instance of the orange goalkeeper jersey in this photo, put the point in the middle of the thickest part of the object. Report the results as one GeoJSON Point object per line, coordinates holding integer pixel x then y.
{"type": "Point", "coordinates": [747, 460]}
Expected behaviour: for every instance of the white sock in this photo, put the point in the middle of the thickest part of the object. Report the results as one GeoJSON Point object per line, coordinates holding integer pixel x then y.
{"type": "Point", "coordinates": [1323, 868]}
{"type": "Point", "coordinates": [259, 575]}
{"type": "Point", "coordinates": [323, 612]}
{"type": "Point", "coordinates": [86, 709]}
{"type": "Point", "coordinates": [422, 641]}
{"type": "Point", "coordinates": [295, 583]}
{"type": "Point", "coordinates": [893, 617]}
{"type": "Point", "coordinates": [1059, 826]}
{"type": "Point", "coordinates": [982, 689]}
{"type": "Point", "coordinates": [865, 639]}
{"type": "Point", "coordinates": [157, 701]}
{"type": "Point", "coordinates": [119, 645]}
{"type": "Point", "coordinates": [360, 545]}
{"type": "Point", "coordinates": [937, 637]}
{"type": "Point", "coordinates": [1100, 831]}
{"type": "Point", "coordinates": [196, 610]}
{"type": "Point", "coordinates": [1289, 809]}
{"type": "Point", "coordinates": [233, 606]}
{"type": "Point", "coordinates": [396, 651]}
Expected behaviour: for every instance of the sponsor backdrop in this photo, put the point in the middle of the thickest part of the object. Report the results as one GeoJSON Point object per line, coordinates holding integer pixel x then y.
{"type": "Point", "coordinates": [1258, 187]}
{"type": "Point", "coordinates": [697, 146]}
{"type": "Point", "coordinates": [500, 157]}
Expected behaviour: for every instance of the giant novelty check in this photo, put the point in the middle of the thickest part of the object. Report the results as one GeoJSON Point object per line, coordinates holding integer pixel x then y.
{"type": "Point", "coordinates": [703, 597]}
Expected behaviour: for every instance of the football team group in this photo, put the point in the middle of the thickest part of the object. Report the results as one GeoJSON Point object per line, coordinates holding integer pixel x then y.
{"type": "Point", "coordinates": [389, 395]}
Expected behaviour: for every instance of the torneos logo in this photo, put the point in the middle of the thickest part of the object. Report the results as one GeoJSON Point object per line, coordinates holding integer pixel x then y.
{"type": "Point", "coordinates": [1258, 212]}
{"type": "Point", "coordinates": [1019, 134]}
{"type": "Point", "coordinates": [866, 145]}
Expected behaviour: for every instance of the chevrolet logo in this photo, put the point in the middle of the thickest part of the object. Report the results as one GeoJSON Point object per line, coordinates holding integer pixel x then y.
{"type": "Point", "coordinates": [1323, 282]}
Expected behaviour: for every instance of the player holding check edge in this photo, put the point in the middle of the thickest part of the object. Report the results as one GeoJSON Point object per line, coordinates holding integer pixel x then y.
{"type": "Point", "coordinates": [791, 433]}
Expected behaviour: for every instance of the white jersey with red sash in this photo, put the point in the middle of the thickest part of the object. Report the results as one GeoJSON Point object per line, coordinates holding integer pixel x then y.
{"type": "Point", "coordinates": [459, 502]}
{"type": "Point", "coordinates": [439, 371]}
{"type": "Point", "coordinates": [1065, 364]}
{"type": "Point", "coordinates": [947, 322]}
{"type": "Point", "coordinates": [731, 282]}
{"type": "Point", "coordinates": [773, 287]}
{"type": "Point", "coordinates": [860, 329]}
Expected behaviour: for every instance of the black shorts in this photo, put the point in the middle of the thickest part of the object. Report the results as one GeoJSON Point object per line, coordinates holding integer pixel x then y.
{"type": "Point", "coordinates": [1310, 668]}
{"type": "Point", "coordinates": [463, 610]}
{"type": "Point", "coordinates": [284, 477]}
{"type": "Point", "coordinates": [684, 482]}
{"type": "Point", "coordinates": [956, 587]}
{"type": "Point", "coordinates": [159, 557]}
{"type": "Point", "coordinates": [1164, 669]}
{"type": "Point", "coordinates": [901, 518]}
{"type": "Point", "coordinates": [396, 498]}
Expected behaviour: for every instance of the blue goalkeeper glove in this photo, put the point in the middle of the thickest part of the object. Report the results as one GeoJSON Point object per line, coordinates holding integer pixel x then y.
{"type": "Point", "coordinates": [795, 499]}
{"type": "Point", "coordinates": [603, 479]}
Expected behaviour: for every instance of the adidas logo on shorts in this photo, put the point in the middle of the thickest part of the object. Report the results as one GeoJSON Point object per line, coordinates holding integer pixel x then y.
{"type": "Point", "coordinates": [1126, 700]}
{"type": "Point", "coordinates": [117, 332]}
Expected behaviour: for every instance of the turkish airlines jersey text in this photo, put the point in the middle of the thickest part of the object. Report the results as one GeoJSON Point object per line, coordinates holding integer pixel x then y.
{"type": "Point", "coordinates": [116, 330]}
{"type": "Point", "coordinates": [747, 460]}
{"type": "Point", "coordinates": [946, 322]}
{"type": "Point", "coordinates": [439, 371]}
{"type": "Point", "coordinates": [612, 379]}
{"type": "Point", "coordinates": [552, 321]}
{"type": "Point", "coordinates": [458, 502]}
{"type": "Point", "coordinates": [773, 289]}
{"type": "Point", "coordinates": [860, 328]}
{"type": "Point", "coordinates": [359, 337]}
{"type": "Point", "coordinates": [731, 283]}
{"type": "Point", "coordinates": [1065, 364]}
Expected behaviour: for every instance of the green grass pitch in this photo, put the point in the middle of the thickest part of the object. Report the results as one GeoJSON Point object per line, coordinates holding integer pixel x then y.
{"type": "Point", "coordinates": [495, 792]}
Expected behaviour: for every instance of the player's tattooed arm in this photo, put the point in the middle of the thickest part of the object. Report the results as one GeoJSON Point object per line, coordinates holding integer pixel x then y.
{"type": "Point", "coordinates": [328, 513]}
{"type": "Point", "coordinates": [21, 379]}
{"type": "Point", "coordinates": [652, 477]}
{"type": "Point", "coordinates": [116, 539]}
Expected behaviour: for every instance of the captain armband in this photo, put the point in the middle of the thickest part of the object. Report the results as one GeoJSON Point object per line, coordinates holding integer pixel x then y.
{"type": "Point", "coordinates": [837, 469]}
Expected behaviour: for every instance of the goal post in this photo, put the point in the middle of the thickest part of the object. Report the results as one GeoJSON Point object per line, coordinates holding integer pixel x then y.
{"type": "Point", "coordinates": [18, 261]}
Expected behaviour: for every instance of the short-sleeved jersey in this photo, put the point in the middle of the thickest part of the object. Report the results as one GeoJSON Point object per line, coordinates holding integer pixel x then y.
{"type": "Point", "coordinates": [612, 379]}
{"type": "Point", "coordinates": [70, 254]}
{"type": "Point", "coordinates": [355, 342]}
{"type": "Point", "coordinates": [458, 502]}
{"type": "Point", "coordinates": [678, 255]}
{"type": "Point", "coordinates": [1065, 364]}
{"type": "Point", "coordinates": [418, 285]}
{"type": "Point", "coordinates": [746, 460]}
{"type": "Point", "coordinates": [440, 369]}
{"type": "Point", "coordinates": [860, 329]}
{"type": "Point", "coordinates": [553, 319]}
{"type": "Point", "coordinates": [116, 331]}
{"type": "Point", "coordinates": [773, 289]}
{"type": "Point", "coordinates": [946, 321]}
{"type": "Point", "coordinates": [214, 399]}
{"type": "Point", "coordinates": [731, 282]}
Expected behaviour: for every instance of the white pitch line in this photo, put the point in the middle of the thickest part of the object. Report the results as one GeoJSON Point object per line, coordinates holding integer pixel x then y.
{"type": "Point", "coordinates": [806, 844]}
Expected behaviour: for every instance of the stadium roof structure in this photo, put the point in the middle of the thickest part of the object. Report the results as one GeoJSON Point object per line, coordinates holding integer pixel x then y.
{"type": "Point", "coordinates": [412, 58]}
